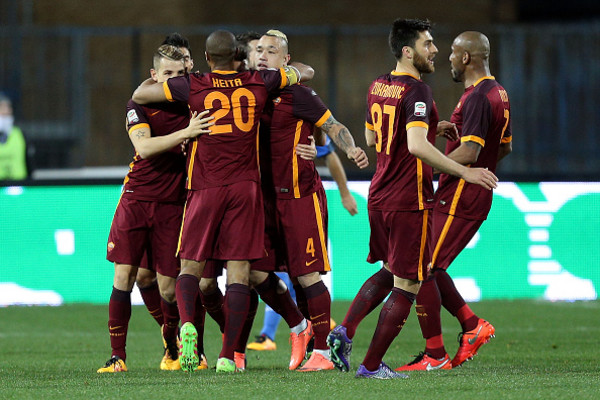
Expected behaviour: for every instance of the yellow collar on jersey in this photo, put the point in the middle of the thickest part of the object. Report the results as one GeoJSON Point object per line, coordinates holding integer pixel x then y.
{"type": "Point", "coordinates": [481, 79]}
{"type": "Point", "coordinates": [396, 73]}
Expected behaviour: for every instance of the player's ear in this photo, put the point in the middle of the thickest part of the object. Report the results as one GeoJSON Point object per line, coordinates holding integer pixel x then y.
{"type": "Point", "coordinates": [466, 59]}
{"type": "Point", "coordinates": [154, 74]}
{"type": "Point", "coordinates": [286, 59]}
{"type": "Point", "coordinates": [407, 52]}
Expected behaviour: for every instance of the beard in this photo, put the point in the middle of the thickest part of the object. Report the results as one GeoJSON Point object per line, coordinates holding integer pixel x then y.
{"type": "Point", "coordinates": [422, 65]}
{"type": "Point", "coordinates": [457, 76]}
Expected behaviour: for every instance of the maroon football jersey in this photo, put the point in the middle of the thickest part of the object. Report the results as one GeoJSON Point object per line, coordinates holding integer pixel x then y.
{"type": "Point", "coordinates": [290, 119]}
{"type": "Point", "coordinates": [236, 100]}
{"type": "Point", "coordinates": [482, 116]}
{"type": "Point", "coordinates": [396, 102]}
{"type": "Point", "coordinates": [162, 177]}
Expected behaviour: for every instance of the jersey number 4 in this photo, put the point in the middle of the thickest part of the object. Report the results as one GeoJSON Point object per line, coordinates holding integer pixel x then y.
{"type": "Point", "coordinates": [377, 117]}
{"type": "Point", "coordinates": [231, 105]}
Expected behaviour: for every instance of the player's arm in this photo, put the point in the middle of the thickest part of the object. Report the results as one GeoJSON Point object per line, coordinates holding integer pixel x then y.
{"type": "Point", "coordinates": [298, 72]}
{"type": "Point", "coordinates": [334, 164]}
{"type": "Point", "coordinates": [150, 91]}
{"type": "Point", "coordinates": [448, 130]}
{"type": "Point", "coordinates": [504, 150]}
{"type": "Point", "coordinates": [343, 139]}
{"type": "Point", "coordinates": [419, 146]}
{"type": "Point", "coordinates": [148, 146]}
{"type": "Point", "coordinates": [467, 153]}
{"type": "Point", "coordinates": [370, 137]}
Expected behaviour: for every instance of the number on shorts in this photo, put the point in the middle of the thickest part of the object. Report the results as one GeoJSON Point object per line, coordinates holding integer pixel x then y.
{"type": "Point", "coordinates": [310, 247]}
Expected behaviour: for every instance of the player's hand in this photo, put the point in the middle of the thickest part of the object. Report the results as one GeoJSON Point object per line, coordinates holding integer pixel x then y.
{"type": "Point", "coordinates": [198, 125]}
{"type": "Point", "coordinates": [447, 130]}
{"type": "Point", "coordinates": [307, 151]}
{"type": "Point", "coordinates": [482, 177]}
{"type": "Point", "coordinates": [349, 203]}
{"type": "Point", "coordinates": [359, 157]}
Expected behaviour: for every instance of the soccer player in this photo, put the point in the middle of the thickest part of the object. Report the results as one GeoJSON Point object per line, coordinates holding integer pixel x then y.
{"type": "Point", "coordinates": [482, 117]}
{"type": "Point", "coordinates": [402, 123]}
{"type": "Point", "coordinates": [300, 203]}
{"type": "Point", "coordinates": [148, 217]}
{"type": "Point", "coordinates": [224, 213]}
{"type": "Point", "coordinates": [146, 278]}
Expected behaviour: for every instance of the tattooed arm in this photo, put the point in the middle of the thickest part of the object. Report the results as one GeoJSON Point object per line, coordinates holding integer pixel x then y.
{"type": "Point", "coordinates": [343, 139]}
{"type": "Point", "coordinates": [148, 146]}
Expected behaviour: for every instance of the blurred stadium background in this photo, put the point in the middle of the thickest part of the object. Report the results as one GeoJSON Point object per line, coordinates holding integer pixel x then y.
{"type": "Point", "coordinates": [70, 67]}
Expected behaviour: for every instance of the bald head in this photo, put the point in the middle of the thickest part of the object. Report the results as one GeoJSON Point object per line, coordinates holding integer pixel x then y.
{"type": "Point", "coordinates": [475, 43]}
{"type": "Point", "coordinates": [221, 47]}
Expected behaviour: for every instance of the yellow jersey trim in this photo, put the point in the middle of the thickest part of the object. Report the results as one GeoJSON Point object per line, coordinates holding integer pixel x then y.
{"type": "Point", "coordinates": [506, 139]}
{"type": "Point", "coordinates": [423, 244]}
{"type": "Point", "coordinates": [295, 160]}
{"type": "Point", "coordinates": [396, 73]}
{"type": "Point", "coordinates": [369, 126]}
{"type": "Point", "coordinates": [167, 91]}
{"type": "Point", "coordinates": [324, 118]}
{"type": "Point", "coordinates": [319, 216]}
{"type": "Point", "coordinates": [482, 79]}
{"type": "Point", "coordinates": [139, 126]}
{"type": "Point", "coordinates": [420, 124]}
{"type": "Point", "coordinates": [473, 138]}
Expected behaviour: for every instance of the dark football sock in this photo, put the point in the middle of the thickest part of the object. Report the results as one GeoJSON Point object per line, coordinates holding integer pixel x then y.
{"type": "Point", "coordinates": [151, 296]}
{"type": "Point", "coordinates": [319, 306]}
{"type": "Point", "coordinates": [237, 304]}
{"type": "Point", "coordinates": [454, 302]}
{"type": "Point", "coordinates": [119, 313]}
{"type": "Point", "coordinates": [428, 308]}
{"type": "Point", "coordinates": [282, 304]}
{"type": "Point", "coordinates": [391, 320]}
{"type": "Point", "coordinates": [370, 295]}
{"type": "Point", "coordinates": [186, 291]}
{"type": "Point", "coordinates": [245, 333]}
{"type": "Point", "coordinates": [213, 302]}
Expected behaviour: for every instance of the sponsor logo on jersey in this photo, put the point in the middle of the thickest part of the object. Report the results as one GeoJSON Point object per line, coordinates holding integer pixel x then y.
{"type": "Point", "coordinates": [132, 117]}
{"type": "Point", "coordinates": [111, 246]}
{"type": "Point", "coordinates": [420, 109]}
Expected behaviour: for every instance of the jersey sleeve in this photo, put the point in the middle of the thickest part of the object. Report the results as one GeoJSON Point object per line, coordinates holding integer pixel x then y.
{"type": "Point", "coordinates": [136, 116]}
{"type": "Point", "coordinates": [274, 79]}
{"type": "Point", "coordinates": [418, 106]}
{"type": "Point", "coordinates": [477, 114]}
{"type": "Point", "coordinates": [177, 88]}
{"type": "Point", "coordinates": [307, 105]}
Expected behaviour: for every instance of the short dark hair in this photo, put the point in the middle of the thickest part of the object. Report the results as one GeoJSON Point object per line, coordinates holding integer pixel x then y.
{"type": "Point", "coordinates": [405, 32]}
{"type": "Point", "coordinates": [242, 43]}
{"type": "Point", "coordinates": [175, 39]}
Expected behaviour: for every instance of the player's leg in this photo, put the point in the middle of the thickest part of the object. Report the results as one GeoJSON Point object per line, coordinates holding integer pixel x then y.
{"type": "Point", "coordinates": [276, 294]}
{"type": "Point", "coordinates": [452, 235]}
{"type": "Point", "coordinates": [212, 298]}
{"type": "Point", "coordinates": [169, 329]}
{"type": "Point", "coordinates": [119, 314]}
{"type": "Point", "coordinates": [237, 305]}
{"type": "Point", "coordinates": [187, 288]}
{"type": "Point", "coordinates": [239, 355]}
{"type": "Point", "coordinates": [370, 295]}
{"type": "Point", "coordinates": [148, 285]}
{"type": "Point", "coordinates": [319, 307]}
{"type": "Point", "coordinates": [199, 320]}
{"type": "Point", "coordinates": [408, 257]}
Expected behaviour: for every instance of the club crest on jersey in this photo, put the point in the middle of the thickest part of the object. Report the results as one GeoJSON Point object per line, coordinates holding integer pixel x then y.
{"type": "Point", "coordinates": [277, 100]}
{"type": "Point", "coordinates": [420, 109]}
{"type": "Point", "coordinates": [132, 117]}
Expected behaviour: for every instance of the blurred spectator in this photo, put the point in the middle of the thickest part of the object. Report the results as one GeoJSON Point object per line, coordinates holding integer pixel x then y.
{"type": "Point", "coordinates": [13, 164]}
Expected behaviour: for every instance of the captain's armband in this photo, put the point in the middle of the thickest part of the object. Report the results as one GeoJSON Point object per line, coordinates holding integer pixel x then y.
{"type": "Point", "coordinates": [292, 74]}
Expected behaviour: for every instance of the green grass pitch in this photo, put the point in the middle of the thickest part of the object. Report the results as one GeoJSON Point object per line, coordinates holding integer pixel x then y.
{"type": "Point", "coordinates": [542, 350]}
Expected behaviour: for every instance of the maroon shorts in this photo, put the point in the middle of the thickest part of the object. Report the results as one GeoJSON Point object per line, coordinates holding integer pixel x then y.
{"type": "Point", "coordinates": [303, 223]}
{"type": "Point", "coordinates": [400, 239]}
{"type": "Point", "coordinates": [274, 259]}
{"type": "Point", "coordinates": [223, 223]}
{"type": "Point", "coordinates": [146, 232]}
{"type": "Point", "coordinates": [449, 236]}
